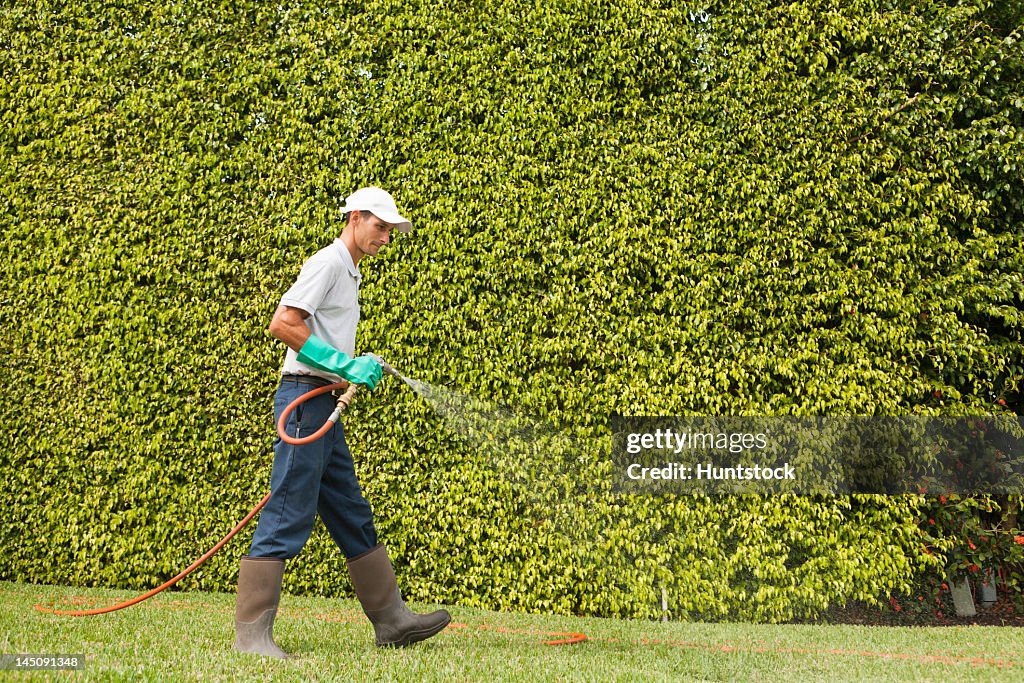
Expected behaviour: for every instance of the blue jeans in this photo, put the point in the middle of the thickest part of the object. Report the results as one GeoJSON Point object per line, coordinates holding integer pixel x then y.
{"type": "Point", "coordinates": [316, 478]}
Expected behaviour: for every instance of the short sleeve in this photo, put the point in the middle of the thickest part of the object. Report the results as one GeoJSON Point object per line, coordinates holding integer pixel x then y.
{"type": "Point", "coordinates": [311, 287]}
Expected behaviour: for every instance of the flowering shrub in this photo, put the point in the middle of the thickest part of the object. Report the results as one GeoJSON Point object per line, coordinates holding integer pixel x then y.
{"type": "Point", "coordinates": [932, 599]}
{"type": "Point", "coordinates": [973, 534]}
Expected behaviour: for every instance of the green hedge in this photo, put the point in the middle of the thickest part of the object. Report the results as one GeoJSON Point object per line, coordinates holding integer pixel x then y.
{"type": "Point", "coordinates": [620, 207]}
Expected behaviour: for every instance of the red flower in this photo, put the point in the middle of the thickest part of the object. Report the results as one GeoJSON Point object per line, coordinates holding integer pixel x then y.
{"type": "Point", "coordinates": [932, 522]}
{"type": "Point", "coordinates": [973, 568]}
{"type": "Point", "coordinates": [942, 499]}
{"type": "Point", "coordinates": [1019, 540]}
{"type": "Point", "coordinates": [971, 544]}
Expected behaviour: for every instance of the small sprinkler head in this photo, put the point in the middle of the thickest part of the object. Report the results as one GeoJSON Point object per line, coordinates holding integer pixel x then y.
{"type": "Point", "coordinates": [384, 366]}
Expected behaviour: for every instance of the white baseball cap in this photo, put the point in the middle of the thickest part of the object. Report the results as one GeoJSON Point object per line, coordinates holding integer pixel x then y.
{"type": "Point", "coordinates": [380, 204]}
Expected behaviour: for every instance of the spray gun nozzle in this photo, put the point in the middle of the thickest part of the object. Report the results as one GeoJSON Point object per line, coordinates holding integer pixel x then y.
{"type": "Point", "coordinates": [384, 366]}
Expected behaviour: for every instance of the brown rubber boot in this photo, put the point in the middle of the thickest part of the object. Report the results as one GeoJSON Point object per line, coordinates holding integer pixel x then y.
{"type": "Point", "coordinates": [393, 624]}
{"type": "Point", "coordinates": [259, 592]}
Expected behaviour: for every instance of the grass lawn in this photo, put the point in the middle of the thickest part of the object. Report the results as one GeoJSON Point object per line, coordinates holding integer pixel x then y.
{"type": "Point", "coordinates": [188, 636]}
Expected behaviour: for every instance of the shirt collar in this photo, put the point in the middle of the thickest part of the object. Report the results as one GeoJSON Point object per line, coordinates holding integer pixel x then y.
{"type": "Point", "coordinates": [346, 258]}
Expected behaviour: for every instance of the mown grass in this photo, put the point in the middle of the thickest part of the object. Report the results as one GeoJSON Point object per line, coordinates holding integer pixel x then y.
{"type": "Point", "coordinates": [188, 636]}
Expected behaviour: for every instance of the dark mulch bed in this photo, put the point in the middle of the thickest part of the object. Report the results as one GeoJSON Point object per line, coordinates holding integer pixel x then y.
{"type": "Point", "coordinates": [1003, 613]}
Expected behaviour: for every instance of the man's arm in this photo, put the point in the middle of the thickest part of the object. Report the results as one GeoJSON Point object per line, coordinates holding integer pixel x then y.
{"type": "Point", "coordinates": [289, 326]}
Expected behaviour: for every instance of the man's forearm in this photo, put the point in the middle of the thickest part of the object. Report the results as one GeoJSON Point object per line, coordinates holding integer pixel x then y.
{"type": "Point", "coordinates": [289, 326]}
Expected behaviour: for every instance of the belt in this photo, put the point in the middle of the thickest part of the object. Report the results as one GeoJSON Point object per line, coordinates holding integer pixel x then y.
{"type": "Point", "coordinates": [311, 380]}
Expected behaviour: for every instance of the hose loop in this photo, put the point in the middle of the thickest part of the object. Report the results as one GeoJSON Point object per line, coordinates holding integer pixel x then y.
{"type": "Point", "coordinates": [343, 402]}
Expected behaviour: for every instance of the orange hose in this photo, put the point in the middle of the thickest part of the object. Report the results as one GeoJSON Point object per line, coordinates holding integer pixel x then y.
{"type": "Point", "coordinates": [343, 403]}
{"type": "Point", "coordinates": [567, 638]}
{"type": "Point", "coordinates": [188, 570]}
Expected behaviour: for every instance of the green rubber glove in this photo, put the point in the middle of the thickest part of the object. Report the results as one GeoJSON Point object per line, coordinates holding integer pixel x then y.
{"type": "Point", "coordinates": [319, 354]}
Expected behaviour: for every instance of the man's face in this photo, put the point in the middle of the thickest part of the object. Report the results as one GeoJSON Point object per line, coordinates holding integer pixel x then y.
{"type": "Point", "coordinates": [370, 232]}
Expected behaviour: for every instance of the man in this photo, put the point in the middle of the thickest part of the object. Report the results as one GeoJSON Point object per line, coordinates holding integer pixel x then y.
{"type": "Point", "coordinates": [317, 320]}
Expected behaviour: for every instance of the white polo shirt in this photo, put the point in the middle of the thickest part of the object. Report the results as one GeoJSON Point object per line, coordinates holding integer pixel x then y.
{"type": "Point", "coordinates": [328, 289]}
